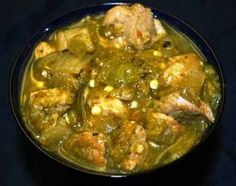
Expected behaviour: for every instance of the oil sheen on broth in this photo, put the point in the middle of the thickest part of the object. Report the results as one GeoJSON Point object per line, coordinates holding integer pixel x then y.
{"type": "Point", "coordinates": [119, 93]}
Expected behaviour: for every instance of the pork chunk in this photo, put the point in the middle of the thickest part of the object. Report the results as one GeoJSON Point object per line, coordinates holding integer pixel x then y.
{"type": "Point", "coordinates": [184, 71]}
{"type": "Point", "coordinates": [106, 103]}
{"type": "Point", "coordinates": [51, 98]}
{"type": "Point", "coordinates": [129, 146]}
{"type": "Point", "coordinates": [177, 106]}
{"type": "Point", "coordinates": [135, 24]}
{"type": "Point", "coordinates": [163, 129]}
{"type": "Point", "coordinates": [90, 146]}
{"type": "Point", "coordinates": [43, 49]}
{"type": "Point", "coordinates": [45, 106]}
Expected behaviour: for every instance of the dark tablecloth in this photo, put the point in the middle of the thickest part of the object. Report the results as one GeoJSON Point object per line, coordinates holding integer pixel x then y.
{"type": "Point", "coordinates": [214, 164]}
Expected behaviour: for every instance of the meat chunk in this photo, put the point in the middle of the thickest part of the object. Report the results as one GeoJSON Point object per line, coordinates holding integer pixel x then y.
{"type": "Point", "coordinates": [163, 129]}
{"type": "Point", "coordinates": [135, 24]}
{"type": "Point", "coordinates": [129, 146]}
{"type": "Point", "coordinates": [111, 105]}
{"type": "Point", "coordinates": [43, 49]}
{"type": "Point", "coordinates": [45, 106]}
{"type": "Point", "coordinates": [89, 146]}
{"type": "Point", "coordinates": [184, 71]}
{"type": "Point", "coordinates": [51, 98]}
{"type": "Point", "coordinates": [177, 106]}
{"type": "Point", "coordinates": [118, 15]}
{"type": "Point", "coordinates": [106, 103]}
{"type": "Point", "coordinates": [104, 124]}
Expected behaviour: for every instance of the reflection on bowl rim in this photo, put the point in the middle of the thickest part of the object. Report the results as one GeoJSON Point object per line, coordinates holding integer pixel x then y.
{"type": "Point", "coordinates": [75, 15]}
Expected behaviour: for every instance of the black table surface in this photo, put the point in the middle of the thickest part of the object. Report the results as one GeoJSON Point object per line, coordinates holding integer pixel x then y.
{"type": "Point", "coordinates": [214, 164]}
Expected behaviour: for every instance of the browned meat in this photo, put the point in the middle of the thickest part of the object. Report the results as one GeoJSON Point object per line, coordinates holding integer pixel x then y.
{"type": "Point", "coordinates": [104, 124]}
{"type": "Point", "coordinates": [177, 106]}
{"type": "Point", "coordinates": [111, 105]}
{"type": "Point", "coordinates": [90, 146]}
{"type": "Point", "coordinates": [102, 102]}
{"type": "Point", "coordinates": [163, 129]}
{"type": "Point", "coordinates": [135, 24]}
{"type": "Point", "coordinates": [43, 49]}
{"type": "Point", "coordinates": [184, 71]}
{"type": "Point", "coordinates": [117, 16]}
{"type": "Point", "coordinates": [45, 106]}
{"type": "Point", "coordinates": [130, 147]}
{"type": "Point", "coordinates": [51, 98]}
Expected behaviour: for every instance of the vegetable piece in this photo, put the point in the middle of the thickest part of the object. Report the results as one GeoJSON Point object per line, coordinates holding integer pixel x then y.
{"type": "Point", "coordinates": [157, 53]}
{"type": "Point", "coordinates": [63, 80]}
{"type": "Point", "coordinates": [154, 84]}
{"type": "Point", "coordinates": [96, 110]}
{"type": "Point", "coordinates": [118, 70]}
{"type": "Point", "coordinates": [68, 63]}
{"type": "Point", "coordinates": [52, 136]}
{"type": "Point", "coordinates": [64, 62]}
{"type": "Point", "coordinates": [92, 83]}
{"type": "Point", "coordinates": [81, 44]}
{"type": "Point", "coordinates": [108, 88]}
{"type": "Point", "coordinates": [81, 103]}
{"type": "Point", "coordinates": [211, 88]}
{"type": "Point", "coordinates": [124, 93]}
{"type": "Point", "coordinates": [134, 105]}
{"type": "Point", "coordinates": [180, 147]}
{"type": "Point", "coordinates": [62, 38]}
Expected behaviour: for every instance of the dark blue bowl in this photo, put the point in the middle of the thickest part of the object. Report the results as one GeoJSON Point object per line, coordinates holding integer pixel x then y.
{"type": "Point", "coordinates": [71, 17]}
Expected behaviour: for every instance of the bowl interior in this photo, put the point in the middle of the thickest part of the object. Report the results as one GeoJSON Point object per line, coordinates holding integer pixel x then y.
{"type": "Point", "coordinates": [25, 54]}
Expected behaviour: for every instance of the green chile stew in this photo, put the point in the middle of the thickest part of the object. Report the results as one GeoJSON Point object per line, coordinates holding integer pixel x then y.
{"type": "Point", "coordinates": [119, 92]}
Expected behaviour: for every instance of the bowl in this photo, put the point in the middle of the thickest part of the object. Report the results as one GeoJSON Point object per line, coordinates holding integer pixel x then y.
{"type": "Point", "coordinates": [73, 16]}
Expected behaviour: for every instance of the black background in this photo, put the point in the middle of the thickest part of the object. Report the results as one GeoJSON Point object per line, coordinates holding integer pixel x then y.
{"type": "Point", "coordinates": [213, 164]}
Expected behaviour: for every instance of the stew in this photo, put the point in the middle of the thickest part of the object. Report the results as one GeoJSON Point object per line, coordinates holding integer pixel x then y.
{"type": "Point", "coordinates": [119, 92]}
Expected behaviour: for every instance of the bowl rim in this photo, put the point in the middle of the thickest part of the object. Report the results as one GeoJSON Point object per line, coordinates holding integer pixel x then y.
{"type": "Point", "coordinates": [44, 29]}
